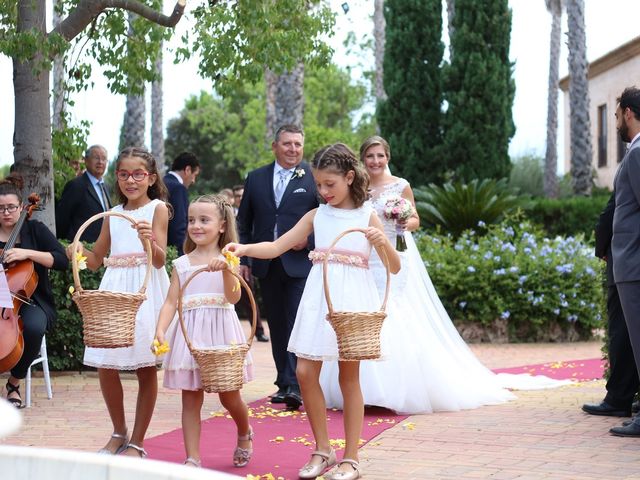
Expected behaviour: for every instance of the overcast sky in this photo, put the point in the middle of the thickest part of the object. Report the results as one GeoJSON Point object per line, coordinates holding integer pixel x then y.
{"type": "Point", "coordinates": [605, 27]}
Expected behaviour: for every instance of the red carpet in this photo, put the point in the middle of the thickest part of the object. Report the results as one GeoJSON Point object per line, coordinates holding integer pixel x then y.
{"type": "Point", "coordinates": [282, 442]}
{"type": "Point", "coordinates": [580, 370]}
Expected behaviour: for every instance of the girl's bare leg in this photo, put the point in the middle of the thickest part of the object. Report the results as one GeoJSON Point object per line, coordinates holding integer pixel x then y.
{"type": "Point", "coordinates": [191, 408]}
{"type": "Point", "coordinates": [353, 410]}
{"type": "Point", "coordinates": [145, 403]}
{"type": "Point", "coordinates": [111, 388]}
{"type": "Point", "coordinates": [308, 373]}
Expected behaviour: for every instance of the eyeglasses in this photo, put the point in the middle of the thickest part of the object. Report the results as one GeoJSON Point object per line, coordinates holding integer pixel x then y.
{"type": "Point", "coordinates": [138, 175]}
{"type": "Point", "coordinates": [9, 208]}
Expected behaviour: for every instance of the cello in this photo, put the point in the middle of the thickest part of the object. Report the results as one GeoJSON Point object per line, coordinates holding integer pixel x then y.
{"type": "Point", "coordinates": [22, 280]}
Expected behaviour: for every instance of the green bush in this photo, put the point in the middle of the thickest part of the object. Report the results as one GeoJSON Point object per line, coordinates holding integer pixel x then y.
{"type": "Point", "coordinates": [64, 342]}
{"type": "Point", "coordinates": [566, 216]}
{"type": "Point", "coordinates": [513, 274]}
{"type": "Point", "coordinates": [526, 177]}
{"type": "Point", "coordinates": [459, 206]}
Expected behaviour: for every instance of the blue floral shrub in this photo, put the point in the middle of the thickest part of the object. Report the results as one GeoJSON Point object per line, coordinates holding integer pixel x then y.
{"type": "Point", "coordinates": [543, 289]}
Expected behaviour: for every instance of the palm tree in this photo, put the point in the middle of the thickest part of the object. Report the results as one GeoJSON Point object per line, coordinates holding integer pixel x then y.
{"type": "Point", "coordinates": [157, 130]}
{"type": "Point", "coordinates": [551, 155]}
{"type": "Point", "coordinates": [581, 152]}
{"type": "Point", "coordinates": [133, 126]}
{"type": "Point", "coordinates": [284, 99]}
{"type": "Point", "coordinates": [379, 25]}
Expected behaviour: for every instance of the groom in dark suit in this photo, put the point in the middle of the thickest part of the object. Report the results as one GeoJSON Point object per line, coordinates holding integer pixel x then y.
{"type": "Point", "coordinates": [625, 244]}
{"type": "Point", "coordinates": [623, 380]}
{"type": "Point", "coordinates": [83, 197]}
{"type": "Point", "coordinates": [275, 197]}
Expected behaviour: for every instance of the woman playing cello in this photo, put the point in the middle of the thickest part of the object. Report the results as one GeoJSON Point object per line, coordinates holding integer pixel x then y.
{"type": "Point", "coordinates": [34, 243]}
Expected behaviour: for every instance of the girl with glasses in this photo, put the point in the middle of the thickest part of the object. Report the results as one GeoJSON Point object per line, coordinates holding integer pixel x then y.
{"type": "Point", "coordinates": [142, 195]}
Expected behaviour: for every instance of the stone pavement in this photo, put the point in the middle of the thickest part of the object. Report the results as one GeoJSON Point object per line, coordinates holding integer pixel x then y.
{"type": "Point", "coordinates": [541, 435]}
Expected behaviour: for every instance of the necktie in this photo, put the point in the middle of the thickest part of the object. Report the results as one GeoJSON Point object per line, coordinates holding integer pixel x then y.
{"type": "Point", "coordinates": [281, 186]}
{"type": "Point", "coordinates": [105, 197]}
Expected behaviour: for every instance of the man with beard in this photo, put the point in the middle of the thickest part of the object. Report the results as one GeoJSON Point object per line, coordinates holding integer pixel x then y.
{"type": "Point", "coordinates": [625, 244]}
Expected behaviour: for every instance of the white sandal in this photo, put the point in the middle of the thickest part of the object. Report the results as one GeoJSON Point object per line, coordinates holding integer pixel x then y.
{"type": "Point", "coordinates": [336, 474]}
{"type": "Point", "coordinates": [121, 448]}
{"type": "Point", "coordinates": [193, 462]}
{"type": "Point", "coordinates": [315, 470]}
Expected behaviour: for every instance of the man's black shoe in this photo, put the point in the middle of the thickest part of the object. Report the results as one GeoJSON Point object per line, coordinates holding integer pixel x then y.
{"type": "Point", "coordinates": [261, 337]}
{"type": "Point", "coordinates": [292, 398]}
{"type": "Point", "coordinates": [278, 397]}
{"type": "Point", "coordinates": [635, 406]}
{"type": "Point", "coordinates": [632, 430]}
{"type": "Point", "coordinates": [603, 408]}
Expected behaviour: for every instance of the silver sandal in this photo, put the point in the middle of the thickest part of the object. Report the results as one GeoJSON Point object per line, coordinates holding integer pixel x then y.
{"type": "Point", "coordinates": [121, 448]}
{"type": "Point", "coordinates": [241, 456]}
{"type": "Point", "coordinates": [141, 451]}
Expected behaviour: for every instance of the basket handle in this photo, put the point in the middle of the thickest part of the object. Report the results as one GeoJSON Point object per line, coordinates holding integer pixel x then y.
{"type": "Point", "coordinates": [244, 284]}
{"type": "Point", "coordinates": [325, 280]}
{"type": "Point", "coordinates": [76, 245]}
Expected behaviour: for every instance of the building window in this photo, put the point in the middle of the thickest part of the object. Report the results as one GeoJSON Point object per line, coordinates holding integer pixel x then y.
{"type": "Point", "coordinates": [622, 148]}
{"type": "Point", "coordinates": [602, 136]}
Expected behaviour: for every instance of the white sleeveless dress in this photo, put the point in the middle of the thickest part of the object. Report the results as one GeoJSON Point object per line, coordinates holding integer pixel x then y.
{"type": "Point", "coordinates": [352, 287]}
{"type": "Point", "coordinates": [126, 267]}
{"type": "Point", "coordinates": [428, 367]}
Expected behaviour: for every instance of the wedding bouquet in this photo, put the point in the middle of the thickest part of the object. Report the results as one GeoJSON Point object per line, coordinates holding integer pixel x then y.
{"type": "Point", "coordinates": [398, 209]}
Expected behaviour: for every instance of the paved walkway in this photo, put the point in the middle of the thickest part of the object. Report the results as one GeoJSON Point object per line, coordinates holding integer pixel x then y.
{"type": "Point", "coordinates": [541, 435]}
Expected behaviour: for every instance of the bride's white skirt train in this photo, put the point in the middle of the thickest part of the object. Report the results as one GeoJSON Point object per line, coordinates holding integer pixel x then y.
{"type": "Point", "coordinates": [426, 366]}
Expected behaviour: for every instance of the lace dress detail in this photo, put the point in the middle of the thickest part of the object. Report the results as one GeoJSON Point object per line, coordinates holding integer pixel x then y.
{"type": "Point", "coordinates": [211, 322]}
{"type": "Point", "coordinates": [352, 286]}
{"type": "Point", "coordinates": [427, 366]}
{"type": "Point", "coordinates": [126, 268]}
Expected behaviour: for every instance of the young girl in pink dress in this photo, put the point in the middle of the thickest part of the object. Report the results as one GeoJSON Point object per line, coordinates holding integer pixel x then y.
{"type": "Point", "coordinates": [210, 320]}
{"type": "Point", "coordinates": [342, 182]}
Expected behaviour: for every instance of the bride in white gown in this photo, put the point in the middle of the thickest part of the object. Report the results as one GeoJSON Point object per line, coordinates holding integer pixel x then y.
{"type": "Point", "coordinates": [426, 366]}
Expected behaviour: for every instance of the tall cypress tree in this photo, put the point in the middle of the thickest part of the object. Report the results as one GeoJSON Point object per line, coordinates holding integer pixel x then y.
{"type": "Point", "coordinates": [479, 91]}
{"type": "Point", "coordinates": [410, 118]}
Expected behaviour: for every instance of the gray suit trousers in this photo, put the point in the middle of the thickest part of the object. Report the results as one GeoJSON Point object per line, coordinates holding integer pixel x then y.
{"type": "Point", "coordinates": [630, 299]}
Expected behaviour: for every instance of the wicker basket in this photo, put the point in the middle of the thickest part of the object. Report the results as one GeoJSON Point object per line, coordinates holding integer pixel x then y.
{"type": "Point", "coordinates": [358, 333]}
{"type": "Point", "coordinates": [109, 318]}
{"type": "Point", "coordinates": [221, 368]}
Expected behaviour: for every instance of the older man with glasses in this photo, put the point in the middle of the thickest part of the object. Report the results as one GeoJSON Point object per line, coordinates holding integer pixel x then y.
{"type": "Point", "coordinates": [83, 197]}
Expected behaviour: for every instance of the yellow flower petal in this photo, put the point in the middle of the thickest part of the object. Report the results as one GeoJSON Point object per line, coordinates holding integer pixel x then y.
{"type": "Point", "coordinates": [71, 289]}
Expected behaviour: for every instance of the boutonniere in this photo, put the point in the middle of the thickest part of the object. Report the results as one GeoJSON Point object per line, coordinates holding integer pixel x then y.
{"type": "Point", "coordinates": [298, 172]}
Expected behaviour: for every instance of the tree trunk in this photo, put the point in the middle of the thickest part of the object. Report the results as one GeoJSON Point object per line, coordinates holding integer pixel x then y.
{"type": "Point", "coordinates": [551, 155]}
{"type": "Point", "coordinates": [451, 11]}
{"type": "Point", "coordinates": [581, 152]}
{"type": "Point", "coordinates": [157, 130]}
{"type": "Point", "coordinates": [32, 135]}
{"type": "Point", "coordinates": [133, 126]}
{"type": "Point", "coordinates": [285, 99]}
{"type": "Point", "coordinates": [57, 121]}
{"type": "Point", "coordinates": [379, 26]}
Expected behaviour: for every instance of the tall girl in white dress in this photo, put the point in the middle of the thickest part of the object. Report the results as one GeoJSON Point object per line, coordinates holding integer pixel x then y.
{"type": "Point", "coordinates": [342, 182]}
{"type": "Point", "coordinates": [142, 195]}
{"type": "Point", "coordinates": [427, 365]}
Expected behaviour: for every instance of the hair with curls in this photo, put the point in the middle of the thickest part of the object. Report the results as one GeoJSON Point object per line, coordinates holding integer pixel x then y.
{"type": "Point", "coordinates": [340, 159]}
{"type": "Point", "coordinates": [158, 189]}
{"type": "Point", "coordinates": [225, 210]}
{"type": "Point", "coordinates": [373, 141]}
{"type": "Point", "coordinates": [12, 184]}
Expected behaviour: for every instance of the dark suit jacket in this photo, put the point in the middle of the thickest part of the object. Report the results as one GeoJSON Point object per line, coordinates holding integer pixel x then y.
{"type": "Point", "coordinates": [179, 200]}
{"type": "Point", "coordinates": [36, 236]}
{"type": "Point", "coordinates": [258, 216]}
{"type": "Point", "coordinates": [625, 245]}
{"type": "Point", "coordinates": [79, 201]}
{"type": "Point", "coordinates": [603, 234]}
